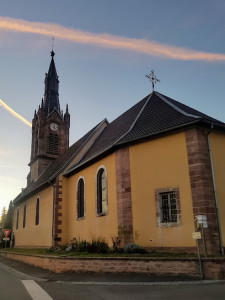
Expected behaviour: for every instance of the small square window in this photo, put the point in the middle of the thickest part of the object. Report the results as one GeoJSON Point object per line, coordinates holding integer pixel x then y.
{"type": "Point", "coordinates": [167, 207]}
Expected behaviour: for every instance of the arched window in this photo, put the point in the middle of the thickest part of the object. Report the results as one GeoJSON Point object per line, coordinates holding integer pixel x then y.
{"type": "Point", "coordinates": [101, 192]}
{"type": "Point", "coordinates": [24, 215]}
{"type": "Point", "coordinates": [53, 143]}
{"type": "Point", "coordinates": [37, 211]}
{"type": "Point", "coordinates": [80, 198]}
{"type": "Point", "coordinates": [17, 217]}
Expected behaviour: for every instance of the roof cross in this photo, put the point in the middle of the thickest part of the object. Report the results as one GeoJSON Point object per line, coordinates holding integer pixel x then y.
{"type": "Point", "coordinates": [52, 52]}
{"type": "Point", "coordinates": [152, 79]}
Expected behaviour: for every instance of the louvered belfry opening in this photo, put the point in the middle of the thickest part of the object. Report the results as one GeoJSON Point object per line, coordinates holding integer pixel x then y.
{"type": "Point", "coordinates": [53, 143]}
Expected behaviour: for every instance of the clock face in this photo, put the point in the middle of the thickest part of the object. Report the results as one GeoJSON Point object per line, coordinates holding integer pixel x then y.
{"type": "Point", "coordinates": [54, 127]}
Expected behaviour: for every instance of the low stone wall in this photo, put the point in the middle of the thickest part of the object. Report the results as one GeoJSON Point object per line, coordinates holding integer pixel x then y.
{"type": "Point", "coordinates": [213, 268]}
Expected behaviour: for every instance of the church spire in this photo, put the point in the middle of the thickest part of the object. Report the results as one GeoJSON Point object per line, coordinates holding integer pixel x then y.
{"type": "Point", "coordinates": [51, 95]}
{"type": "Point", "coordinates": [50, 128]}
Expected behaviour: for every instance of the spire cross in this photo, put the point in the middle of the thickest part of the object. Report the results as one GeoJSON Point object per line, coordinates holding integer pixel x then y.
{"type": "Point", "coordinates": [52, 52]}
{"type": "Point", "coordinates": [152, 79]}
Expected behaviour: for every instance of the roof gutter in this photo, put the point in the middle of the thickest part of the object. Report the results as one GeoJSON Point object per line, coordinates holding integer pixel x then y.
{"type": "Point", "coordinates": [53, 213]}
{"type": "Point", "coordinates": [215, 193]}
{"type": "Point", "coordinates": [33, 192]}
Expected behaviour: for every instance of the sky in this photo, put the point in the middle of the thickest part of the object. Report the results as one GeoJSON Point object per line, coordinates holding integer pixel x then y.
{"type": "Point", "coordinates": [103, 50]}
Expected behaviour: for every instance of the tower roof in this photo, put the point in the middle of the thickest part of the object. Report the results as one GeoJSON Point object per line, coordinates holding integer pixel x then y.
{"type": "Point", "coordinates": [51, 95]}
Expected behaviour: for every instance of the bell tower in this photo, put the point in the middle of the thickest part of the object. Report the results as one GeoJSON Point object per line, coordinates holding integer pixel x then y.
{"type": "Point", "coordinates": [50, 127]}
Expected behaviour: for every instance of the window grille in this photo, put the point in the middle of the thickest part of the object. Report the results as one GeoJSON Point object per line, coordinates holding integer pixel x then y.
{"type": "Point", "coordinates": [168, 207]}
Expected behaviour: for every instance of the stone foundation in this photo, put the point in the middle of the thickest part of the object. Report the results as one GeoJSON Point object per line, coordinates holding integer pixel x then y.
{"type": "Point", "coordinates": [213, 268]}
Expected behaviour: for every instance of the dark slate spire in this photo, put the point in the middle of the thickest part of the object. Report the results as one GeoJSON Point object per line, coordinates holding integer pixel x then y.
{"type": "Point", "coordinates": [51, 95]}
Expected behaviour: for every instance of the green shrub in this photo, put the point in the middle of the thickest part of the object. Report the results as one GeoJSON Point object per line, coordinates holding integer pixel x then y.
{"type": "Point", "coordinates": [134, 248]}
{"type": "Point", "coordinates": [98, 246]}
{"type": "Point", "coordinates": [56, 250]}
{"type": "Point", "coordinates": [95, 246]}
{"type": "Point", "coordinates": [78, 245]}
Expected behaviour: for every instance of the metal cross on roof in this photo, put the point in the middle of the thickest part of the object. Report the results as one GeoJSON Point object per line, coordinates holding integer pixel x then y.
{"type": "Point", "coordinates": [152, 78]}
{"type": "Point", "coordinates": [52, 52]}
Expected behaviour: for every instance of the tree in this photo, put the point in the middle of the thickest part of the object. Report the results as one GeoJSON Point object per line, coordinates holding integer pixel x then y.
{"type": "Point", "coordinates": [9, 216]}
{"type": "Point", "coordinates": [3, 217]}
{"type": "Point", "coordinates": [2, 222]}
{"type": "Point", "coordinates": [6, 221]}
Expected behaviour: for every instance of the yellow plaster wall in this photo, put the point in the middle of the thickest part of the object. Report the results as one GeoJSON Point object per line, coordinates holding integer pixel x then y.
{"type": "Point", "coordinates": [217, 142]}
{"type": "Point", "coordinates": [160, 163]}
{"type": "Point", "coordinates": [65, 203]}
{"type": "Point", "coordinates": [93, 226]}
{"type": "Point", "coordinates": [35, 235]}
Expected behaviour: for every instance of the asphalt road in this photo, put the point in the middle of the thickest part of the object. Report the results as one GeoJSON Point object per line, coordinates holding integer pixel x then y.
{"type": "Point", "coordinates": [11, 286]}
{"type": "Point", "coordinates": [17, 280]}
{"type": "Point", "coordinates": [133, 292]}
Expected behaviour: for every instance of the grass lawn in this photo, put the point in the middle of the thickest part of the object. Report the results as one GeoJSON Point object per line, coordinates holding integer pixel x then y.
{"type": "Point", "coordinates": [40, 251]}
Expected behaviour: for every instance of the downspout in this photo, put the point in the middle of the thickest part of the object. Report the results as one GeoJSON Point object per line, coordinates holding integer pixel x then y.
{"type": "Point", "coordinates": [214, 192]}
{"type": "Point", "coordinates": [53, 215]}
{"type": "Point", "coordinates": [12, 232]}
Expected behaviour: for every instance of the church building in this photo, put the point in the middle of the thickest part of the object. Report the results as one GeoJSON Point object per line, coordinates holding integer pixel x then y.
{"type": "Point", "coordinates": [145, 178]}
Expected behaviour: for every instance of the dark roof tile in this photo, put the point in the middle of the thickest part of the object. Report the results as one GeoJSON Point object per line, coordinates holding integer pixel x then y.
{"type": "Point", "coordinates": [153, 115]}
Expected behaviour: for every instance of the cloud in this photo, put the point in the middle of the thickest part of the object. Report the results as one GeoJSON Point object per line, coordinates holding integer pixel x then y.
{"type": "Point", "coordinates": [13, 180]}
{"type": "Point", "coordinates": [15, 114]}
{"type": "Point", "coordinates": [107, 41]}
{"type": "Point", "coordinates": [10, 187]}
{"type": "Point", "coordinates": [6, 152]}
{"type": "Point", "coordinates": [12, 166]}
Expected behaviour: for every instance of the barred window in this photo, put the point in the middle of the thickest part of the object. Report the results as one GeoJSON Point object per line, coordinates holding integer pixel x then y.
{"type": "Point", "coordinates": [168, 212]}
{"type": "Point", "coordinates": [101, 192]}
{"type": "Point", "coordinates": [80, 198]}
{"type": "Point", "coordinates": [168, 207]}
